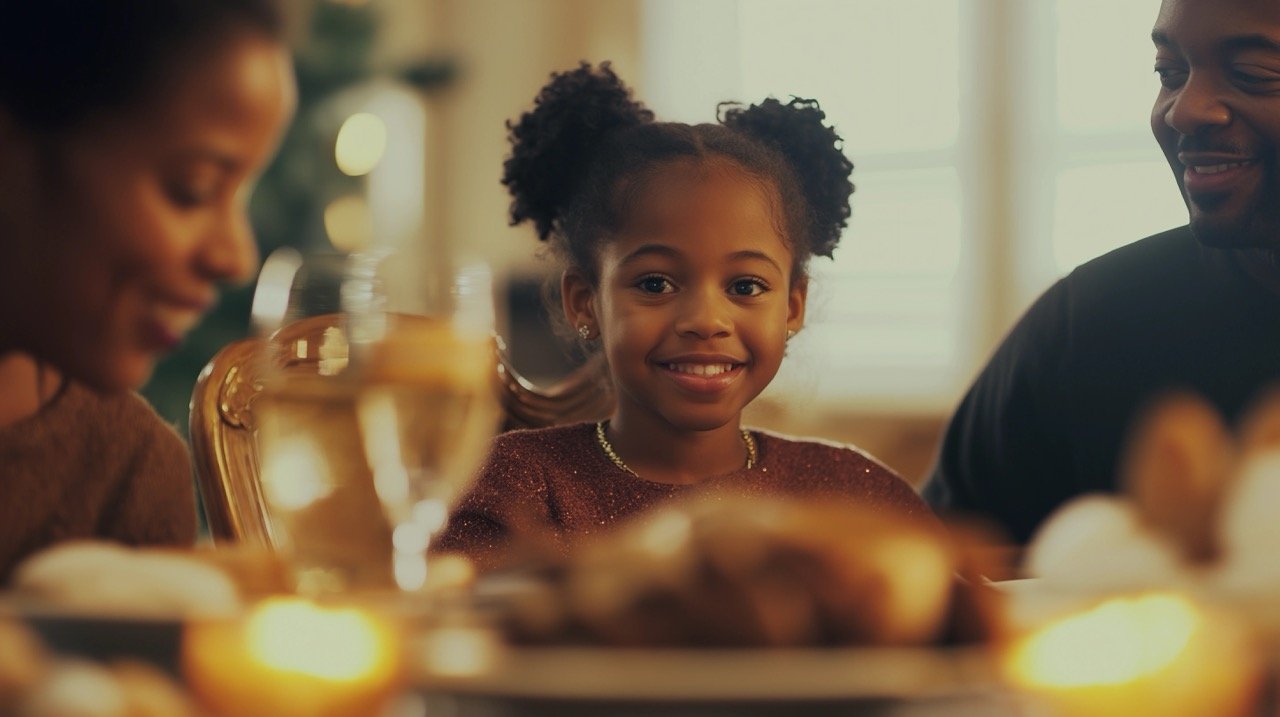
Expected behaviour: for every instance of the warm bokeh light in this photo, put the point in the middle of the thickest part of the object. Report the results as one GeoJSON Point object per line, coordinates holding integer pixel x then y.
{"type": "Point", "coordinates": [1116, 642]}
{"type": "Point", "coordinates": [294, 474]}
{"type": "Point", "coordinates": [1157, 653]}
{"type": "Point", "coordinates": [361, 143]}
{"type": "Point", "coordinates": [291, 658]}
{"type": "Point", "coordinates": [460, 651]}
{"type": "Point", "coordinates": [343, 645]}
{"type": "Point", "coordinates": [349, 223]}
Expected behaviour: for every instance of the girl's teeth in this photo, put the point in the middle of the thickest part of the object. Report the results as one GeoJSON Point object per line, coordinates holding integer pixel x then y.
{"type": "Point", "coordinates": [700, 369]}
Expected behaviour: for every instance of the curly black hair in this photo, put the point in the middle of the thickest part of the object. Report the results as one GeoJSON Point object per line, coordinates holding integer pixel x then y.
{"type": "Point", "coordinates": [586, 136]}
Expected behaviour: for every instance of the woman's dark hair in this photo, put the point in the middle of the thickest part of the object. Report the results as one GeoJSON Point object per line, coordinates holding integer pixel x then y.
{"type": "Point", "coordinates": [62, 60]}
{"type": "Point", "coordinates": [585, 136]}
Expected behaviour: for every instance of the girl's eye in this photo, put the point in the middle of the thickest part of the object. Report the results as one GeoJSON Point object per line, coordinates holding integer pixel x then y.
{"type": "Point", "coordinates": [747, 287]}
{"type": "Point", "coordinates": [655, 285]}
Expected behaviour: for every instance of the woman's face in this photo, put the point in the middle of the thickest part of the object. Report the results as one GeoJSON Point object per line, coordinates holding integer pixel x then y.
{"type": "Point", "coordinates": [125, 225]}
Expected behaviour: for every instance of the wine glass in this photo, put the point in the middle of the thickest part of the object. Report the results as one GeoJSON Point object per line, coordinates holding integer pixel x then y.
{"type": "Point", "coordinates": [422, 342]}
{"type": "Point", "coordinates": [323, 513]}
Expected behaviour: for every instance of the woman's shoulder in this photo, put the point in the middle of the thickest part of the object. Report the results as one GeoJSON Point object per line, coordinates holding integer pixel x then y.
{"type": "Point", "coordinates": [121, 413]}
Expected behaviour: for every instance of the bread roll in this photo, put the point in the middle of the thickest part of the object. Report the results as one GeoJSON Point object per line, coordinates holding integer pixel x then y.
{"type": "Point", "coordinates": [722, 570]}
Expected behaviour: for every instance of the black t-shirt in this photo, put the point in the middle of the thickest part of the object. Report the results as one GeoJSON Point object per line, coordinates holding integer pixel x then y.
{"type": "Point", "coordinates": [1047, 418]}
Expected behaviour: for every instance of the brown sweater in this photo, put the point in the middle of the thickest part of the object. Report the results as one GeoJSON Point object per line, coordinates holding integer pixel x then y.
{"type": "Point", "coordinates": [92, 466]}
{"type": "Point", "coordinates": [560, 479]}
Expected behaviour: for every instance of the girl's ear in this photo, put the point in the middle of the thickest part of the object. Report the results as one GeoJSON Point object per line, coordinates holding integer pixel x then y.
{"type": "Point", "coordinates": [579, 299]}
{"type": "Point", "coordinates": [796, 298]}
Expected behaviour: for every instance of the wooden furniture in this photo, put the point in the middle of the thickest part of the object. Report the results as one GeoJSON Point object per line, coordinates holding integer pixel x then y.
{"type": "Point", "coordinates": [223, 432]}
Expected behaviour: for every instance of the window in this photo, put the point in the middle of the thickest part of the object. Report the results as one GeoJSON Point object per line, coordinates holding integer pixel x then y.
{"type": "Point", "coordinates": [996, 146]}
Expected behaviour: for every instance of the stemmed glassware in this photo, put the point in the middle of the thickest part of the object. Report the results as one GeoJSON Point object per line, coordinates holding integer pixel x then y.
{"type": "Point", "coordinates": [426, 406]}
{"type": "Point", "coordinates": [373, 420]}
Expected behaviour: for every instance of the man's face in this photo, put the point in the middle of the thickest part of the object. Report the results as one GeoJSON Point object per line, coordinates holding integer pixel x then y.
{"type": "Point", "coordinates": [1217, 117]}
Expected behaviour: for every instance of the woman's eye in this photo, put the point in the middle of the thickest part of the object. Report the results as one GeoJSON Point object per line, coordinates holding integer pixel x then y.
{"type": "Point", "coordinates": [655, 285]}
{"type": "Point", "coordinates": [747, 287]}
{"type": "Point", "coordinates": [188, 196]}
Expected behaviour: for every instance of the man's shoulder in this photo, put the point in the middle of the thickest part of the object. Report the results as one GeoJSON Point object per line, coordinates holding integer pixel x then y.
{"type": "Point", "coordinates": [1140, 264]}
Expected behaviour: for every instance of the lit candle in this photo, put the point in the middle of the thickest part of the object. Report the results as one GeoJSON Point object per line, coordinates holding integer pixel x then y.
{"type": "Point", "coordinates": [291, 658]}
{"type": "Point", "coordinates": [1156, 654]}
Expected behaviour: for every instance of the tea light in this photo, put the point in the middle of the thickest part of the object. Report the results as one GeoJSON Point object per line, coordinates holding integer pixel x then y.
{"type": "Point", "coordinates": [1158, 653]}
{"type": "Point", "coordinates": [291, 658]}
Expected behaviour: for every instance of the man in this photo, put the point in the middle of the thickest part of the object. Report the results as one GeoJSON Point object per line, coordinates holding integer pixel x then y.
{"type": "Point", "coordinates": [1195, 308]}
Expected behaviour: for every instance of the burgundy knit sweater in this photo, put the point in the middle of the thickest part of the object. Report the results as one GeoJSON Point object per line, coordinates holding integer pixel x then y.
{"type": "Point", "coordinates": [559, 480]}
{"type": "Point", "coordinates": [92, 466]}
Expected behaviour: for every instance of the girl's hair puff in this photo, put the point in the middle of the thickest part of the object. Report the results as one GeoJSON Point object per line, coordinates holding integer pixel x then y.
{"type": "Point", "coordinates": [586, 149]}
{"type": "Point", "coordinates": [798, 131]}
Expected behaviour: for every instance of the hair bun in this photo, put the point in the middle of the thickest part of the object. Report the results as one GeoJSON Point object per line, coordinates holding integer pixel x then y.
{"type": "Point", "coordinates": [798, 130]}
{"type": "Point", "coordinates": [553, 144]}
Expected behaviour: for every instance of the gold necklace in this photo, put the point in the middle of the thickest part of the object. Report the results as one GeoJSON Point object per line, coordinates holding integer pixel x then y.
{"type": "Point", "coordinates": [613, 456]}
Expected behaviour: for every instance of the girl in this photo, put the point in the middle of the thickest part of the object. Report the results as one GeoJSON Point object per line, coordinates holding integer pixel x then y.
{"type": "Point", "coordinates": [685, 251]}
{"type": "Point", "coordinates": [129, 133]}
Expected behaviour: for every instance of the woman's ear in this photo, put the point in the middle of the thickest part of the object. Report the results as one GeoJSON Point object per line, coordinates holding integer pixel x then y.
{"type": "Point", "coordinates": [796, 299]}
{"type": "Point", "coordinates": [578, 296]}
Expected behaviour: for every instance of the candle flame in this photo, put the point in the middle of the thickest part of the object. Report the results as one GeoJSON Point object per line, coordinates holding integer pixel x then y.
{"type": "Point", "coordinates": [289, 635]}
{"type": "Point", "coordinates": [1119, 641]}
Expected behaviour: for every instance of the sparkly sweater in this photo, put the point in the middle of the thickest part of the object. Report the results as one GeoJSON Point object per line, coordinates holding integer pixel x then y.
{"type": "Point", "coordinates": [92, 466]}
{"type": "Point", "coordinates": [559, 481]}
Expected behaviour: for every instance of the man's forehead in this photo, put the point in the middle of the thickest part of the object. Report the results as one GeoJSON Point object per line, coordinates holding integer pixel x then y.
{"type": "Point", "coordinates": [1253, 22]}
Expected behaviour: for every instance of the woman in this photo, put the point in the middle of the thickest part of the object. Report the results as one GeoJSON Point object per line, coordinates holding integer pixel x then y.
{"type": "Point", "coordinates": [129, 136]}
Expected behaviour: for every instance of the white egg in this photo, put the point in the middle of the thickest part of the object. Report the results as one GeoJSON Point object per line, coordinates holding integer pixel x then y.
{"type": "Point", "coordinates": [1251, 527]}
{"type": "Point", "coordinates": [1097, 543]}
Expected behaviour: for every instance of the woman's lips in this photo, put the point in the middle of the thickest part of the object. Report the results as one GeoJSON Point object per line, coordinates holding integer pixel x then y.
{"type": "Point", "coordinates": [166, 326]}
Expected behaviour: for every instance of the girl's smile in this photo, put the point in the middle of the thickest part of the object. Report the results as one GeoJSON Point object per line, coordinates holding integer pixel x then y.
{"type": "Point", "coordinates": [703, 373]}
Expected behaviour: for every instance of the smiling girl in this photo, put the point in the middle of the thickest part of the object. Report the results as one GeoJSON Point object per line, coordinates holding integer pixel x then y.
{"type": "Point", "coordinates": [685, 250]}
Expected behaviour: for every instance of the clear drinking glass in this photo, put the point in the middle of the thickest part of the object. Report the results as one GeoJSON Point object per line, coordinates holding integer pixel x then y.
{"type": "Point", "coordinates": [426, 405]}
{"type": "Point", "coordinates": [373, 422]}
{"type": "Point", "coordinates": [322, 509]}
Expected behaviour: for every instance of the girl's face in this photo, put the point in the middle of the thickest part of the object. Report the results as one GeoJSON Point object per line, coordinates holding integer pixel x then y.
{"type": "Point", "coordinates": [695, 300]}
{"type": "Point", "coordinates": [126, 225]}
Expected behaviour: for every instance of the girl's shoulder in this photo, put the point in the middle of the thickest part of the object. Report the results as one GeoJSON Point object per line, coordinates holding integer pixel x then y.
{"type": "Point", "coordinates": [543, 445]}
{"type": "Point", "coordinates": [783, 448]}
{"type": "Point", "coordinates": [550, 438]}
{"type": "Point", "coordinates": [816, 465]}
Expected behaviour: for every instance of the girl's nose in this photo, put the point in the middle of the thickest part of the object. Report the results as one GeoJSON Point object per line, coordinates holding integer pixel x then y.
{"type": "Point", "coordinates": [705, 314]}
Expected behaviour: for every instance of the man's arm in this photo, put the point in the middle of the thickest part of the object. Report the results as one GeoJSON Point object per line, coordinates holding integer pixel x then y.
{"type": "Point", "coordinates": [1006, 454]}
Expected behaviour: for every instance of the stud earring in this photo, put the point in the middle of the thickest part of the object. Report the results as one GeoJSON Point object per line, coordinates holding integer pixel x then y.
{"type": "Point", "coordinates": [790, 333]}
{"type": "Point", "coordinates": [584, 332]}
